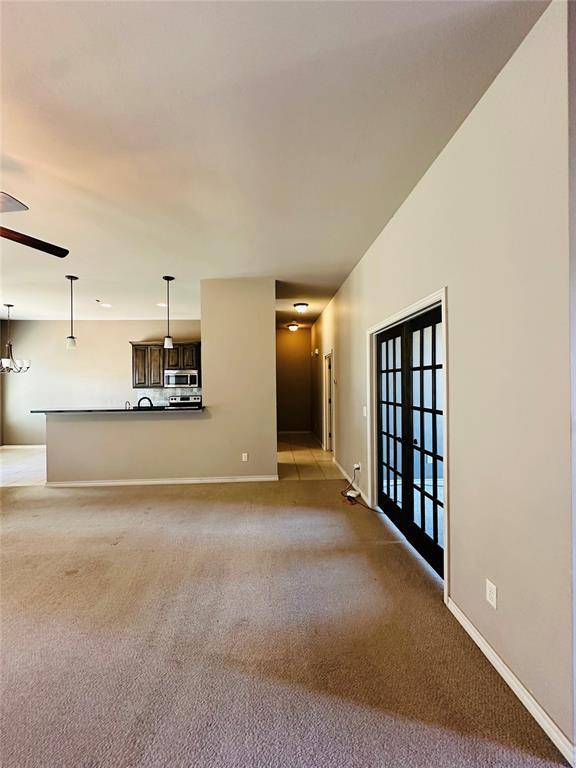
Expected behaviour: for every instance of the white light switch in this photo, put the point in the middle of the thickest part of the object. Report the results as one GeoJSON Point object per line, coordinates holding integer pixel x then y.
{"type": "Point", "coordinates": [244, 457]}
{"type": "Point", "coordinates": [364, 411]}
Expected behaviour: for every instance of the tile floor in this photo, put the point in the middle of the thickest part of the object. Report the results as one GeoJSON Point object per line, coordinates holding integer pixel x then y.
{"type": "Point", "coordinates": [301, 457]}
{"type": "Point", "coordinates": [22, 465]}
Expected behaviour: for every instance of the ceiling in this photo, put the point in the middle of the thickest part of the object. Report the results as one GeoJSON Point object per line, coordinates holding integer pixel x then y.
{"type": "Point", "coordinates": [225, 139]}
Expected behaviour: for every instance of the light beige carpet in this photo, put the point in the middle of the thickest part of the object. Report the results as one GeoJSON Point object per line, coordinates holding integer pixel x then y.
{"type": "Point", "coordinates": [236, 626]}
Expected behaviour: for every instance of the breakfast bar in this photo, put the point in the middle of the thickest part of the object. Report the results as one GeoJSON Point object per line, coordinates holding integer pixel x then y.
{"type": "Point", "coordinates": [114, 446]}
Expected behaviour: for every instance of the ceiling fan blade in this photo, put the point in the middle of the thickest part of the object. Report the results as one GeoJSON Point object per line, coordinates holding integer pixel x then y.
{"type": "Point", "coordinates": [32, 242]}
{"type": "Point", "coordinates": [9, 203]}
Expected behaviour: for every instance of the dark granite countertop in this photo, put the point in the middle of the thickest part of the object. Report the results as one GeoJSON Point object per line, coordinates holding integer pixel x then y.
{"type": "Point", "coordinates": [155, 409]}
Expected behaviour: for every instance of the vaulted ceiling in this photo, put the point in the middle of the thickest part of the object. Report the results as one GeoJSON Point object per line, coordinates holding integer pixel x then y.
{"type": "Point", "coordinates": [220, 139]}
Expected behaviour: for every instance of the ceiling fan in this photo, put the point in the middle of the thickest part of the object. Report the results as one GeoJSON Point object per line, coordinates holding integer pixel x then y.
{"type": "Point", "coordinates": [9, 204]}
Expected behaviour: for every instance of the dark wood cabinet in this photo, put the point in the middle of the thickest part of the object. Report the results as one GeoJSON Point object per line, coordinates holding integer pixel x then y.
{"type": "Point", "coordinates": [155, 366]}
{"type": "Point", "coordinates": [190, 354]}
{"type": "Point", "coordinates": [182, 357]}
{"type": "Point", "coordinates": [172, 359]}
{"type": "Point", "coordinates": [149, 361]}
{"type": "Point", "coordinates": [139, 366]}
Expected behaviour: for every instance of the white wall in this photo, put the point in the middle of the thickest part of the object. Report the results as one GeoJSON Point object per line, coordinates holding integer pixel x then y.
{"type": "Point", "coordinates": [98, 373]}
{"type": "Point", "coordinates": [489, 220]}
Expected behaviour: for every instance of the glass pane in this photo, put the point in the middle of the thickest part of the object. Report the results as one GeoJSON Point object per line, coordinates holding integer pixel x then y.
{"type": "Point", "coordinates": [399, 421]}
{"type": "Point", "coordinates": [390, 355]}
{"type": "Point", "coordinates": [440, 389]}
{"type": "Point", "coordinates": [440, 435]}
{"type": "Point", "coordinates": [428, 345]}
{"type": "Point", "coordinates": [391, 460]}
{"type": "Point", "coordinates": [391, 419]}
{"type": "Point", "coordinates": [383, 386]}
{"type": "Point", "coordinates": [390, 387]}
{"type": "Point", "coordinates": [427, 389]}
{"type": "Point", "coordinates": [398, 456]}
{"type": "Point", "coordinates": [398, 490]}
{"type": "Point", "coordinates": [384, 419]}
{"type": "Point", "coordinates": [416, 348]}
{"type": "Point", "coordinates": [440, 471]}
{"type": "Point", "coordinates": [383, 356]}
{"type": "Point", "coordinates": [385, 482]}
{"type": "Point", "coordinates": [416, 427]}
{"type": "Point", "coordinates": [398, 353]}
{"type": "Point", "coordinates": [440, 513]}
{"type": "Point", "coordinates": [416, 512]}
{"type": "Point", "coordinates": [428, 431]}
{"type": "Point", "coordinates": [417, 471]}
{"type": "Point", "coordinates": [398, 387]}
{"type": "Point", "coordinates": [429, 474]}
{"type": "Point", "coordinates": [429, 517]}
{"type": "Point", "coordinates": [439, 345]}
{"type": "Point", "coordinates": [416, 388]}
{"type": "Point", "coordinates": [384, 449]}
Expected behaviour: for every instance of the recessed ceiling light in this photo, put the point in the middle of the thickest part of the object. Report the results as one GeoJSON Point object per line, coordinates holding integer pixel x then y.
{"type": "Point", "coordinates": [162, 304]}
{"type": "Point", "coordinates": [301, 307]}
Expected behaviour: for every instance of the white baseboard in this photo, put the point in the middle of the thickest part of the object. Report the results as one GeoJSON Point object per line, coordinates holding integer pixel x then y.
{"type": "Point", "coordinates": [162, 481]}
{"type": "Point", "coordinates": [561, 741]}
{"type": "Point", "coordinates": [349, 478]}
{"type": "Point", "coordinates": [33, 445]}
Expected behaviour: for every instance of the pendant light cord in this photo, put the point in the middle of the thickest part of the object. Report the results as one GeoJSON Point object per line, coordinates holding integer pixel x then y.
{"type": "Point", "coordinates": [168, 304]}
{"type": "Point", "coordinates": [71, 308]}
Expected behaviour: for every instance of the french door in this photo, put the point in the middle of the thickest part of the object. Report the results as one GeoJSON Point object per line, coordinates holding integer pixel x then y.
{"type": "Point", "coordinates": [410, 389]}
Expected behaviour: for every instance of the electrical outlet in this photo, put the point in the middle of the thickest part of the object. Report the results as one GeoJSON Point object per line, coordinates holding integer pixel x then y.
{"type": "Point", "coordinates": [358, 467]}
{"type": "Point", "coordinates": [491, 594]}
{"type": "Point", "coordinates": [244, 457]}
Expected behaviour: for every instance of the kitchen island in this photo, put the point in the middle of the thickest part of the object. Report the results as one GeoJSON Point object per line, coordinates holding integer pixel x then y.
{"type": "Point", "coordinates": [116, 446]}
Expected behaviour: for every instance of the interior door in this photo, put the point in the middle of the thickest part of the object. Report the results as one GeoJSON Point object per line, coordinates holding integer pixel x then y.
{"type": "Point", "coordinates": [410, 391]}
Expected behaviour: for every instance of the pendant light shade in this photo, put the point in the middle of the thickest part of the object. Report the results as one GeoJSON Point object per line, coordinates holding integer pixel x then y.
{"type": "Point", "coordinates": [8, 363]}
{"type": "Point", "coordinates": [71, 339]}
{"type": "Point", "coordinates": [168, 342]}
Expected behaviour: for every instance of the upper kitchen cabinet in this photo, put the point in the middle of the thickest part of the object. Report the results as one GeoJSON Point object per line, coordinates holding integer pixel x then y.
{"type": "Point", "coordinates": [147, 365]}
{"type": "Point", "coordinates": [182, 357]}
{"type": "Point", "coordinates": [149, 361]}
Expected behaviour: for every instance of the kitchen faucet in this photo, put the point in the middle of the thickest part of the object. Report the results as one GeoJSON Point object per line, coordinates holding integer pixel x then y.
{"type": "Point", "coordinates": [145, 398]}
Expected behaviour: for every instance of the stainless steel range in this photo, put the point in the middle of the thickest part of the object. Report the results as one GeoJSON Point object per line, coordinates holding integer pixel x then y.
{"type": "Point", "coordinates": [185, 401]}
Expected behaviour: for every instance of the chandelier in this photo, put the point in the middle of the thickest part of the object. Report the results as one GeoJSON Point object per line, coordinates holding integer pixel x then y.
{"type": "Point", "coordinates": [8, 363]}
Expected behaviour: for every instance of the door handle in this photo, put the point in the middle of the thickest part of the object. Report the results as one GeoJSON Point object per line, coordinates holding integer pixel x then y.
{"type": "Point", "coordinates": [415, 442]}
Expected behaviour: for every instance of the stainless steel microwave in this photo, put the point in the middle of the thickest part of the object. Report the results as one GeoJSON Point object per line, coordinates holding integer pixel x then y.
{"type": "Point", "coordinates": [186, 378]}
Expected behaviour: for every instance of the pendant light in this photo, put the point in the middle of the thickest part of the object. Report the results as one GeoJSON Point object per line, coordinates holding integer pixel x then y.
{"type": "Point", "coordinates": [168, 342]}
{"type": "Point", "coordinates": [8, 364]}
{"type": "Point", "coordinates": [71, 340]}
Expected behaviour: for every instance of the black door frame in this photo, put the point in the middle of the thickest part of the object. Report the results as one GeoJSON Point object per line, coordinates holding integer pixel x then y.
{"type": "Point", "coordinates": [440, 557]}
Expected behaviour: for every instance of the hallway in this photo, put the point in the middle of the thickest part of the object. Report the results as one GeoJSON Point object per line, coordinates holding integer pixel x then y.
{"type": "Point", "coordinates": [301, 457]}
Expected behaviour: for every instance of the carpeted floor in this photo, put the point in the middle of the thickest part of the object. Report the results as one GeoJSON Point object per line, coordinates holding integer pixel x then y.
{"type": "Point", "coordinates": [236, 626]}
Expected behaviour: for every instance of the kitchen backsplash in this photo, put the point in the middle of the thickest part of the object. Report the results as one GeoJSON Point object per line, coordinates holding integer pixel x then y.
{"type": "Point", "coordinates": [159, 396]}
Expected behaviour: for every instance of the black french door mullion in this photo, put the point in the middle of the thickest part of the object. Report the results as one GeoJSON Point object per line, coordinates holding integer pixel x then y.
{"type": "Point", "coordinates": [422, 441]}
{"type": "Point", "coordinates": [434, 438]}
